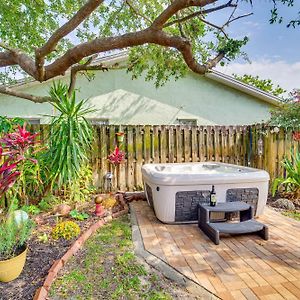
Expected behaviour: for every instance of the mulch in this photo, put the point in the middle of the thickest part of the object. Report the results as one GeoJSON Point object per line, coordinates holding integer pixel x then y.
{"type": "Point", "coordinates": [40, 257]}
{"type": "Point", "coordinates": [272, 199]}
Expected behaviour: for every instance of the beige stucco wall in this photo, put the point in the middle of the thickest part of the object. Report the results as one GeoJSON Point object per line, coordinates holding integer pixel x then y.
{"type": "Point", "coordinates": [127, 101]}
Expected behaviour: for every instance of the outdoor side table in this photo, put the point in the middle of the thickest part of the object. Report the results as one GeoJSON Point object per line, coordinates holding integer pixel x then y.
{"type": "Point", "coordinates": [245, 225]}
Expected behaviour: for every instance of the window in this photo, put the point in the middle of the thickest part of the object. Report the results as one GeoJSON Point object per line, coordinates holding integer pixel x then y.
{"type": "Point", "coordinates": [99, 121]}
{"type": "Point", "coordinates": [189, 122]}
{"type": "Point", "coordinates": [32, 121]}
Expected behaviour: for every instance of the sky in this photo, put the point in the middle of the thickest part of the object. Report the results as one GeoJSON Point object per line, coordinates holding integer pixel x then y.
{"type": "Point", "coordinates": [273, 49]}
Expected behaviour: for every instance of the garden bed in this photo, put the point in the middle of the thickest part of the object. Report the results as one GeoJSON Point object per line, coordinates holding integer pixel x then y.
{"type": "Point", "coordinates": [292, 213]}
{"type": "Point", "coordinates": [43, 252]}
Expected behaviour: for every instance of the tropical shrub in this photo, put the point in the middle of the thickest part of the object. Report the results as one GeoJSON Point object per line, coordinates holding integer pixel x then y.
{"type": "Point", "coordinates": [8, 173]}
{"type": "Point", "coordinates": [79, 190]}
{"type": "Point", "coordinates": [291, 183]}
{"type": "Point", "coordinates": [8, 125]}
{"type": "Point", "coordinates": [70, 137]}
{"type": "Point", "coordinates": [66, 230]}
{"type": "Point", "coordinates": [13, 237]}
{"type": "Point", "coordinates": [22, 147]}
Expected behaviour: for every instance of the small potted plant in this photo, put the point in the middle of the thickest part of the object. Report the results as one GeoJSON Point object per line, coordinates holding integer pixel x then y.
{"type": "Point", "coordinates": [13, 247]}
{"type": "Point", "coordinates": [120, 136]}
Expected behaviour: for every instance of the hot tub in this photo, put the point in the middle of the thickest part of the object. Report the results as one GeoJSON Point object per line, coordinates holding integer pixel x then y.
{"type": "Point", "coordinates": [174, 190]}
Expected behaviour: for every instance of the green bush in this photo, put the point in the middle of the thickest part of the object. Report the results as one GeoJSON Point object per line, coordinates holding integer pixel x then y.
{"type": "Point", "coordinates": [31, 209]}
{"type": "Point", "coordinates": [75, 214]}
{"type": "Point", "coordinates": [291, 183]}
{"type": "Point", "coordinates": [8, 125]}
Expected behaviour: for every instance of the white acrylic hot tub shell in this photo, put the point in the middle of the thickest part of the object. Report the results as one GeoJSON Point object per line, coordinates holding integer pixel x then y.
{"type": "Point", "coordinates": [166, 180]}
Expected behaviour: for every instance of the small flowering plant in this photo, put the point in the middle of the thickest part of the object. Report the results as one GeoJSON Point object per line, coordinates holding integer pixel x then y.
{"type": "Point", "coordinates": [116, 157]}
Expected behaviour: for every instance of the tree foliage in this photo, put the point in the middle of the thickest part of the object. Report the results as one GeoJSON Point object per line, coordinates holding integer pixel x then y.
{"type": "Point", "coordinates": [263, 84]}
{"type": "Point", "coordinates": [164, 37]}
{"type": "Point", "coordinates": [276, 17]}
{"type": "Point", "coordinates": [287, 116]}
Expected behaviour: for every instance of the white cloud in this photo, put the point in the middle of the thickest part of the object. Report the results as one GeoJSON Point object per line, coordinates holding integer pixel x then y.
{"type": "Point", "coordinates": [252, 24]}
{"type": "Point", "coordinates": [287, 75]}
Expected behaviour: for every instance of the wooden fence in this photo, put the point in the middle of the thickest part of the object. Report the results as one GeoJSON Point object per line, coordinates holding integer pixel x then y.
{"type": "Point", "coordinates": [255, 146]}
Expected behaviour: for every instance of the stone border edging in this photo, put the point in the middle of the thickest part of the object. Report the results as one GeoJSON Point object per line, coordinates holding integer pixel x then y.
{"type": "Point", "coordinates": [163, 267]}
{"type": "Point", "coordinates": [42, 292]}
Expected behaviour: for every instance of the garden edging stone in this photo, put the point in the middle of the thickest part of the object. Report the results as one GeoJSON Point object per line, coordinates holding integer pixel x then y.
{"type": "Point", "coordinates": [42, 292]}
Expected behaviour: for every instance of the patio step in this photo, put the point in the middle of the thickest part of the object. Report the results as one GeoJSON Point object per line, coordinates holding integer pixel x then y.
{"type": "Point", "coordinates": [238, 228]}
{"type": "Point", "coordinates": [245, 225]}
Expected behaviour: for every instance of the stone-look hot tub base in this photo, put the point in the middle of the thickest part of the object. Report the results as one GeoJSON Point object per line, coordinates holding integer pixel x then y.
{"type": "Point", "coordinates": [186, 203]}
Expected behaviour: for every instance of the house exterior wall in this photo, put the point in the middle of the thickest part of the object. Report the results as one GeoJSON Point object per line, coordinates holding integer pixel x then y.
{"type": "Point", "coordinates": [126, 101]}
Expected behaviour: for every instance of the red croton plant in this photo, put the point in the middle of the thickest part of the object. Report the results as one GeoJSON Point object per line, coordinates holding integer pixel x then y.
{"type": "Point", "coordinates": [116, 157]}
{"type": "Point", "coordinates": [13, 149]}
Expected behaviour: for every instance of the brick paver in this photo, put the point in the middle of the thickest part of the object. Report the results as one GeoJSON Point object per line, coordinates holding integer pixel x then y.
{"type": "Point", "coordinates": [241, 267]}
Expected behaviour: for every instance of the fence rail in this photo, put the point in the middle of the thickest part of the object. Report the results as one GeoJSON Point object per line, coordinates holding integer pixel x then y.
{"type": "Point", "coordinates": [255, 146]}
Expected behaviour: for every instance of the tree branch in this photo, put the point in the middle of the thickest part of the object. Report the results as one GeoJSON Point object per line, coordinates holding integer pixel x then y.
{"type": "Point", "coordinates": [215, 26]}
{"type": "Point", "coordinates": [199, 13]}
{"type": "Point", "coordinates": [176, 6]}
{"type": "Point", "coordinates": [237, 18]}
{"type": "Point", "coordinates": [137, 12]}
{"type": "Point", "coordinates": [6, 59]}
{"type": "Point", "coordinates": [36, 99]}
{"type": "Point", "coordinates": [64, 30]}
{"type": "Point", "coordinates": [6, 47]}
{"type": "Point", "coordinates": [185, 47]}
{"type": "Point", "coordinates": [84, 67]}
{"type": "Point", "coordinates": [62, 64]}
{"type": "Point", "coordinates": [20, 58]}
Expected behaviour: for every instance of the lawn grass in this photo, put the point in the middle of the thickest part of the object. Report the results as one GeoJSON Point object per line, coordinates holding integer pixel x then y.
{"type": "Point", "coordinates": [107, 268]}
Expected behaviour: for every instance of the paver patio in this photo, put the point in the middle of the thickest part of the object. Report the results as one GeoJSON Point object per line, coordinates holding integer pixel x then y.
{"type": "Point", "coordinates": [241, 267]}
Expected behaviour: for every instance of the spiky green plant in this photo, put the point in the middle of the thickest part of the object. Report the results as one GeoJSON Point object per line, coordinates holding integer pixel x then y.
{"type": "Point", "coordinates": [13, 236]}
{"type": "Point", "coordinates": [291, 182]}
{"type": "Point", "coordinates": [70, 136]}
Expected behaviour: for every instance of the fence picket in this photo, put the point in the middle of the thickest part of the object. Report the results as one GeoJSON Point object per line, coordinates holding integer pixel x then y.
{"type": "Point", "coordinates": [154, 144]}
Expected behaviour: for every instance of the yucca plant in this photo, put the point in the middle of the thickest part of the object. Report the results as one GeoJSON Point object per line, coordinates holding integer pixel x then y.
{"type": "Point", "coordinates": [291, 183]}
{"type": "Point", "coordinates": [70, 136]}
